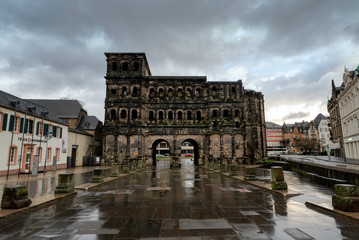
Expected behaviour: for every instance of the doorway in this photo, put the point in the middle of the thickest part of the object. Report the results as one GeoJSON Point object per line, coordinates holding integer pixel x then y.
{"type": "Point", "coordinates": [161, 154]}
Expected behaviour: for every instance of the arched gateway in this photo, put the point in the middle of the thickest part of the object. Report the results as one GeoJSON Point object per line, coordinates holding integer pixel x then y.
{"type": "Point", "coordinates": [204, 120]}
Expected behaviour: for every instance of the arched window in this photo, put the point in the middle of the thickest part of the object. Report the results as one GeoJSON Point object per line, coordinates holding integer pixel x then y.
{"type": "Point", "coordinates": [124, 91]}
{"type": "Point", "coordinates": [161, 92]}
{"type": "Point", "coordinates": [179, 92]}
{"type": "Point", "coordinates": [123, 114]}
{"type": "Point", "coordinates": [214, 90]}
{"type": "Point", "coordinates": [199, 115]}
{"type": "Point", "coordinates": [214, 114]}
{"type": "Point", "coordinates": [134, 114]}
{"type": "Point", "coordinates": [113, 114]}
{"type": "Point", "coordinates": [170, 115]}
{"type": "Point", "coordinates": [151, 117]}
{"type": "Point", "coordinates": [198, 92]}
{"type": "Point", "coordinates": [134, 92]}
{"type": "Point", "coordinates": [189, 92]}
{"type": "Point", "coordinates": [179, 115]}
{"type": "Point", "coordinates": [135, 67]}
{"type": "Point", "coordinates": [152, 92]}
{"type": "Point", "coordinates": [114, 66]}
{"type": "Point", "coordinates": [237, 124]}
{"type": "Point", "coordinates": [113, 91]}
{"type": "Point", "coordinates": [160, 115]}
{"type": "Point", "coordinates": [125, 67]}
{"type": "Point", "coordinates": [236, 113]}
{"type": "Point", "coordinates": [189, 115]}
{"type": "Point", "coordinates": [226, 113]}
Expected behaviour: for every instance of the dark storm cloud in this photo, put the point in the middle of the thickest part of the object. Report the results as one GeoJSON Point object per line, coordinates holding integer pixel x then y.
{"type": "Point", "coordinates": [55, 48]}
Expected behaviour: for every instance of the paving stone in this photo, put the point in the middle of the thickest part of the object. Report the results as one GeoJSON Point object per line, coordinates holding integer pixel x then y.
{"type": "Point", "coordinates": [203, 224]}
{"type": "Point", "coordinates": [297, 234]}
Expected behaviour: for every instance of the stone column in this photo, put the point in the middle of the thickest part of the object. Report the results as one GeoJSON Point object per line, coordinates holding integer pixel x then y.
{"type": "Point", "coordinates": [346, 197]}
{"type": "Point", "coordinates": [277, 175]}
{"type": "Point", "coordinates": [65, 183]}
{"type": "Point", "coordinates": [15, 197]}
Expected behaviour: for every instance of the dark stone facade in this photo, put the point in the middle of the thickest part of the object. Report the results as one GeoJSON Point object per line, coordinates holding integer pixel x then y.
{"type": "Point", "coordinates": [222, 120]}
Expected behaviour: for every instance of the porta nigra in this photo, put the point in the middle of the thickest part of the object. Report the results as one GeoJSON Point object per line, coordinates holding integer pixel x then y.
{"type": "Point", "coordinates": [221, 120]}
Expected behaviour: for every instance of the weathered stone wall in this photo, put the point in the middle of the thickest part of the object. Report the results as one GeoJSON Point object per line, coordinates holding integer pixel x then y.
{"type": "Point", "coordinates": [222, 119]}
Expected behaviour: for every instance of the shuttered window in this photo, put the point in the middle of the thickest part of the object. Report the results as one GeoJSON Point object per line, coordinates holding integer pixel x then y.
{"type": "Point", "coordinates": [4, 122]}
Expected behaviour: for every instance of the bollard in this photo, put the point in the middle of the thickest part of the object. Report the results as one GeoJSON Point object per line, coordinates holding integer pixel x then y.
{"type": "Point", "coordinates": [249, 173]}
{"type": "Point", "coordinates": [15, 197]}
{"type": "Point", "coordinates": [223, 167]}
{"type": "Point", "coordinates": [233, 170]}
{"type": "Point", "coordinates": [97, 176]}
{"type": "Point", "coordinates": [125, 169]}
{"type": "Point", "coordinates": [115, 171]}
{"type": "Point", "coordinates": [346, 197]}
{"type": "Point", "coordinates": [278, 182]}
{"type": "Point", "coordinates": [65, 183]}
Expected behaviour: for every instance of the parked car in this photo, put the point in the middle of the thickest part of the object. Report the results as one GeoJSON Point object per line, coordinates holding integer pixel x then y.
{"type": "Point", "coordinates": [188, 155]}
{"type": "Point", "coordinates": [166, 154]}
{"type": "Point", "coordinates": [159, 155]}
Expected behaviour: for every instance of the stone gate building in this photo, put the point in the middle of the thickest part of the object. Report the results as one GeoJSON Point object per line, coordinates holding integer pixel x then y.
{"type": "Point", "coordinates": [222, 120]}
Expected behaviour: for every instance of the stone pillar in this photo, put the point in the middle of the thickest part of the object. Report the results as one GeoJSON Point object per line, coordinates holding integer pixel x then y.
{"type": "Point", "coordinates": [346, 197]}
{"type": "Point", "coordinates": [97, 176]}
{"type": "Point", "coordinates": [15, 197]}
{"type": "Point", "coordinates": [278, 182]}
{"type": "Point", "coordinates": [249, 173]}
{"type": "Point", "coordinates": [65, 183]}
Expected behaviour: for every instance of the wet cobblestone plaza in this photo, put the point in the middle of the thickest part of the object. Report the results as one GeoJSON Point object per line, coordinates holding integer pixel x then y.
{"type": "Point", "coordinates": [184, 203]}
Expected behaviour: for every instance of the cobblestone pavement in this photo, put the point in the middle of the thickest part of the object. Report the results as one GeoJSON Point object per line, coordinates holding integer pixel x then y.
{"type": "Point", "coordinates": [185, 203]}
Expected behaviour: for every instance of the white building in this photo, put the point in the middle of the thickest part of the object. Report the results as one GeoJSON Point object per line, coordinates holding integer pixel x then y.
{"type": "Point", "coordinates": [349, 113]}
{"type": "Point", "coordinates": [324, 134]}
{"type": "Point", "coordinates": [24, 127]}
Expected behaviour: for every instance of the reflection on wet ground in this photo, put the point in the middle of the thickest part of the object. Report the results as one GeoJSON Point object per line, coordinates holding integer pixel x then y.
{"type": "Point", "coordinates": [187, 202]}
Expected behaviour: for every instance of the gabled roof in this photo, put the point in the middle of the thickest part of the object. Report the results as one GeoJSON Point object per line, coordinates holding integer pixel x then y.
{"type": "Point", "coordinates": [88, 123]}
{"type": "Point", "coordinates": [62, 108]}
{"type": "Point", "coordinates": [318, 118]}
{"type": "Point", "coordinates": [12, 102]}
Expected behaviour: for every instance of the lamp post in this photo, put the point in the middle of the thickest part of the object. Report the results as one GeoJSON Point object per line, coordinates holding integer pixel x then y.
{"type": "Point", "coordinates": [47, 137]}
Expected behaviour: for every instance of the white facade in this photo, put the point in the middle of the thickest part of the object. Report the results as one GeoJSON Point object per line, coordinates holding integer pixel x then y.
{"type": "Point", "coordinates": [22, 137]}
{"type": "Point", "coordinates": [349, 114]}
{"type": "Point", "coordinates": [324, 134]}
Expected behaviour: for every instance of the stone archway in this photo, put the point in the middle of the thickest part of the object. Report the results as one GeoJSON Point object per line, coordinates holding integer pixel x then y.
{"type": "Point", "coordinates": [154, 147]}
{"type": "Point", "coordinates": [195, 150]}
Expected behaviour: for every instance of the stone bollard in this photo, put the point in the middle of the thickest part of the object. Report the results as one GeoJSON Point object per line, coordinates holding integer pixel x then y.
{"type": "Point", "coordinates": [233, 170]}
{"type": "Point", "coordinates": [65, 183]}
{"type": "Point", "coordinates": [115, 171]}
{"type": "Point", "coordinates": [15, 197]}
{"type": "Point", "coordinates": [249, 173]}
{"type": "Point", "coordinates": [125, 169]}
{"type": "Point", "coordinates": [223, 167]}
{"type": "Point", "coordinates": [278, 182]}
{"type": "Point", "coordinates": [97, 176]}
{"type": "Point", "coordinates": [346, 197]}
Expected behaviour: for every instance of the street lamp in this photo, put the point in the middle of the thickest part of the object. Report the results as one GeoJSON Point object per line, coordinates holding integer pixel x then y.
{"type": "Point", "coordinates": [47, 137]}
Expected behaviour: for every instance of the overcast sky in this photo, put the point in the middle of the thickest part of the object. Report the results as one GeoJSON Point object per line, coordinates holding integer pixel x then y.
{"type": "Point", "coordinates": [290, 50]}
